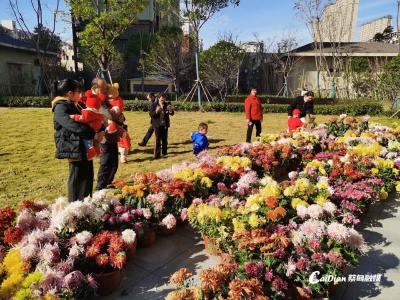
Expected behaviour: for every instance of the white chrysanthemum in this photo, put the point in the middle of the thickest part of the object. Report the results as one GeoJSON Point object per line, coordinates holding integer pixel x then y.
{"type": "Point", "coordinates": [75, 251]}
{"type": "Point", "coordinates": [292, 175]}
{"type": "Point", "coordinates": [297, 237]}
{"type": "Point", "coordinates": [301, 211]}
{"type": "Point", "coordinates": [28, 251]}
{"type": "Point", "coordinates": [329, 207]}
{"type": "Point", "coordinates": [315, 211]}
{"type": "Point", "coordinates": [266, 180]}
{"type": "Point", "coordinates": [147, 213]}
{"type": "Point", "coordinates": [129, 236]}
{"type": "Point", "coordinates": [83, 237]}
{"type": "Point", "coordinates": [43, 214]}
{"type": "Point", "coordinates": [337, 232]}
{"type": "Point", "coordinates": [355, 240]}
{"type": "Point", "coordinates": [59, 205]}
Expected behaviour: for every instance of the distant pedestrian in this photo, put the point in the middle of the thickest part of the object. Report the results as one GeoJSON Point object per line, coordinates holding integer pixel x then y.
{"type": "Point", "coordinates": [199, 139]}
{"type": "Point", "coordinates": [69, 138]}
{"type": "Point", "coordinates": [254, 114]}
{"type": "Point", "coordinates": [160, 111]}
{"type": "Point", "coordinates": [151, 98]}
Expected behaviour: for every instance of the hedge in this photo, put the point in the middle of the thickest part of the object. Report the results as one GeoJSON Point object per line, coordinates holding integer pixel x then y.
{"type": "Point", "coordinates": [356, 108]}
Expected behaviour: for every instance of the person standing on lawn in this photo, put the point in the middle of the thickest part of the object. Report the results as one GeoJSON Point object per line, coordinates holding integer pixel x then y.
{"type": "Point", "coordinates": [69, 138]}
{"type": "Point", "coordinates": [254, 114]}
{"type": "Point", "coordinates": [109, 148]}
{"type": "Point", "coordinates": [306, 106]}
{"type": "Point", "coordinates": [160, 111]}
{"type": "Point", "coordinates": [151, 98]}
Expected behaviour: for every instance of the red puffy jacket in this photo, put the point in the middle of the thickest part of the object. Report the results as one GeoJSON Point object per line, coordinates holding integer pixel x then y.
{"type": "Point", "coordinates": [253, 108]}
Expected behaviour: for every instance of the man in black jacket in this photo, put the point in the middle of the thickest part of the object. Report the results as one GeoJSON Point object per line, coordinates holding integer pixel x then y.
{"type": "Point", "coordinates": [305, 104]}
{"type": "Point", "coordinates": [159, 112]}
{"type": "Point", "coordinates": [151, 98]}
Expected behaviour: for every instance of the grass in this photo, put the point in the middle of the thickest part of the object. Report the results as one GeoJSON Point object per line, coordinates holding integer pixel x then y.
{"type": "Point", "coordinates": [28, 169]}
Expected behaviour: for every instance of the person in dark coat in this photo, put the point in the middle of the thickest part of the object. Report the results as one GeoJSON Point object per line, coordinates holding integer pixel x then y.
{"type": "Point", "coordinates": [69, 138]}
{"type": "Point", "coordinates": [305, 104]}
{"type": "Point", "coordinates": [151, 98]}
{"type": "Point", "coordinates": [159, 112]}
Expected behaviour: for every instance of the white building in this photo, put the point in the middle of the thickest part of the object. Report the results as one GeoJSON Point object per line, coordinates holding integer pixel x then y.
{"type": "Point", "coordinates": [68, 59]}
{"type": "Point", "coordinates": [338, 22]}
{"type": "Point", "coordinates": [370, 29]}
{"type": "Point", "coordinates": [252, 47]}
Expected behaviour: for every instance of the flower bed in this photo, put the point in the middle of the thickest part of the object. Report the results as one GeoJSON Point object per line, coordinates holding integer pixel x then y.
{"type": "Point", "coordinates": [276, 211]}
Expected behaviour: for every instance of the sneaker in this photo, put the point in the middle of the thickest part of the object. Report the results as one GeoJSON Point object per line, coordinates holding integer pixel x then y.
{"type": "Point", "coordinates": [124, 161]}
{"type": "Point", "coordinates": [142, 144]}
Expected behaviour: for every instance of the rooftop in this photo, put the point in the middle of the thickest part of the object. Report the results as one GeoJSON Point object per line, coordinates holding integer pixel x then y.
{"type": "Point", "coordinates": [352, 49]}
{"type": "Point", "coordinates": [10, 42]}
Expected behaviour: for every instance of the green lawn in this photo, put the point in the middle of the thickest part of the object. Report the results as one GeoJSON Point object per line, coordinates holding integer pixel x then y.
{"type": "Point", "coordinates": [28, 169]}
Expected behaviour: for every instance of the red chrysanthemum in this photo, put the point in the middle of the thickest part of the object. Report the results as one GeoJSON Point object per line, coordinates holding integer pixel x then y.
{"type": "Point", "coordinates": [118, 261]}
{"type": "Point", "coordinates": [13, 235]}
{"type": "Point", "coordinates": [102, 260]}
{"type": "Point", "coordinates": [92, 251]}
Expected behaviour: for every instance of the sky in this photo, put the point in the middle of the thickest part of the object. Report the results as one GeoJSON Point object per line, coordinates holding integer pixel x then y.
{"type": "Point", "coordinates": [252, 20]}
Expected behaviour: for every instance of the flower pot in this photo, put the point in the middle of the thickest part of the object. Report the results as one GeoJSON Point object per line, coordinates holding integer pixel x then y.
{"type": "Point", "coordinates": [211, 246]}
{"type": "Point", "coordinates": [147, 238]}
{"type": "Point", "coordinates": [165, 231]}
{"type": "Point", "coordinates": [131, 252]}
{"type": "Point", "coordinates": [107, 283]}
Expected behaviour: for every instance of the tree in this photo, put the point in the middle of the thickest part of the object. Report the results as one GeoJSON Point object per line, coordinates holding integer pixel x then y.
{"type": "Point", "coordinates": [104, 22]}
{"type": "Point", "coordinates": [198, 13]}
{"type": "Point", "coordinates": [285, 59]}
{"type": "Point", "coordinates": [389, 82]}
{"type": "Point", "coordinates": [385, 36]}
{"type": "Point", "coordinates": [43, 39]}
{"type": "Point", "coordinates": [166, 56]}
{"type": "Point", "coordinates": [221, 63]}
{"type": "Point", "coordinates": [48, 40]}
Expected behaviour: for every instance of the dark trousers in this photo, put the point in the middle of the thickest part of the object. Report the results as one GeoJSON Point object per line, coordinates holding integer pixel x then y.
{"type": "Point", "coordinates": [250, 130]}
{"type": "Point", "coordinates": [161, 141]}
{"type": "Point", "coordinates": [108, 165]}
{"type": "Point", "coordinates": [80, 181]}
{"type": "Point", "coordinates": [148, 135]}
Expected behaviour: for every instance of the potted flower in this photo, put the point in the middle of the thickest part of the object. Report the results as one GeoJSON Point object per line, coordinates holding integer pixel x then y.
{"type": "Point", "coordinates": [106, 258]}
{"type": "Point", "coordinates": [168, 225]}
{"type": "Point", "coordinates": [129, 238]}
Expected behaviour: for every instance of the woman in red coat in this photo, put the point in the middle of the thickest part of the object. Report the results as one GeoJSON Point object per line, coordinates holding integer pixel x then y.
{"type": "Point", "coordinates": [254, 114]}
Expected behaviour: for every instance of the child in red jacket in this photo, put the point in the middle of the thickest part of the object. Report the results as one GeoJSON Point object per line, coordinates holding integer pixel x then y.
{"type": "Point", "coordinates": [91, 116]}
{"type": "Point", "coordinates": [116, 105]}
{"type": "Point", "coordinates": [294, 122]}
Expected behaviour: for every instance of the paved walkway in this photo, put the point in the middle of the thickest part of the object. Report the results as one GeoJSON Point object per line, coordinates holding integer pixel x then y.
{"type": "Point", "coordinates": [147, 275]}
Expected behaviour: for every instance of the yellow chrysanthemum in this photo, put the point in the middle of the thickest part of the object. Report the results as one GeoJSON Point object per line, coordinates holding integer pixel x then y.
{"type": "Point", "coordinates": [383, 195]}
{"type": "Point", "coordinates": [398, 186]}
{"type": "Point", "coordinates": [234, 163]}
{"type": "Point", "coordinates": [206, 182]}
{"type": "Point", "coordinates": [367, 150]}
{"type": "Point", "coordinates": [375, 171]}
{"type": "Point", "coordinates": [237, 225]}
{"type": "Point", "coordinates": [381, 163]}
{"type": "Point", "coordinates": [297, 201]}
{"type": "Point", "coordinates": [272, 189]}
{"type": "Point", "coordinates": [254, 220]}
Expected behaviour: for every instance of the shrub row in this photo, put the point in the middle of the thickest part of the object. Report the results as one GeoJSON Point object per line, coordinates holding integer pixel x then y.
{"type": "Point", "coordinates": [355, 108]}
